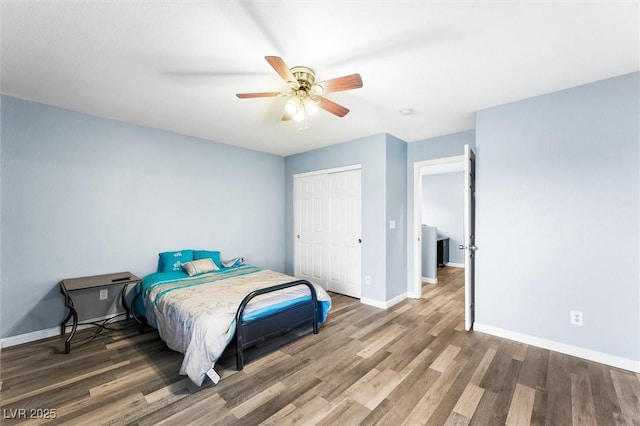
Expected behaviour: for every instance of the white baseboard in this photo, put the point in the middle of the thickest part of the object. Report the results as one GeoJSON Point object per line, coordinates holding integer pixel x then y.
{"type": "Point", "coordinates": [454, 265]}
{"type": "Point", "coordinates": [29, 337]}
{"type": "Point", "coordinates": [384, 305]}
{"type": "Point", "coordinates": [591, 355]}
{"type": "Point", "coordinates": [49, 332]}
{"type": "Point", "coordinates": [429, 280]}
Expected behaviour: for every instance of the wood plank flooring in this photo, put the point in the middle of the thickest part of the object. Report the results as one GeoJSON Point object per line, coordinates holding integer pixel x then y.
{"type": "Point", "coordinates": [409, 365]}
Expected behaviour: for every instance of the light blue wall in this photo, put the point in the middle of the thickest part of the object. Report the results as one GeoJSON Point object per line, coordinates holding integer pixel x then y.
{"type": "Point", "coordinates": [370, 153]}
{"type": "Point", "coordinates": [558, 216]}
{"type": "Point", "coordinates": [396, 189]}
{"type": "Point", "coordinates": [83, 195]}
{"type": "Point", "coordinates": [430, 149]}
{"type": "Point", "coordinates": [443, 207]}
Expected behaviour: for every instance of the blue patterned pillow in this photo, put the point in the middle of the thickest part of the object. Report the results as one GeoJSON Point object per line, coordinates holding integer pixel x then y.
{"type": "Point", "coordinates": [208, 254]}
{"type": "Point", "coordinates": [173, 260]}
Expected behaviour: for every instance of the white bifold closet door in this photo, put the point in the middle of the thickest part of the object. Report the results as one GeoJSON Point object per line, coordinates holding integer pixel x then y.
{"type": "Point", "coordinates": [327, 221]}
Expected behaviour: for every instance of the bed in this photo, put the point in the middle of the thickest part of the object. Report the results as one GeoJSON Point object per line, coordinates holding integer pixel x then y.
{"type": "Point", "coordinates": [234, 306]}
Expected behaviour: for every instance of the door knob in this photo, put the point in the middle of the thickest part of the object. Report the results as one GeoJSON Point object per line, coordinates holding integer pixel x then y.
{"type": "Point", "coordinates": [460, 247]}
{"type": "Point", "coordinates": [359, 240]}
{"type": "Point", "coordinates": [298, 236]}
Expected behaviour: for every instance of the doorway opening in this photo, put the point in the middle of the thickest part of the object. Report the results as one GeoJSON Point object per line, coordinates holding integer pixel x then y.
{"type": "Point", "coordinates": [463, 163]}
{"type": "Point", "coordinates": [442, 224]}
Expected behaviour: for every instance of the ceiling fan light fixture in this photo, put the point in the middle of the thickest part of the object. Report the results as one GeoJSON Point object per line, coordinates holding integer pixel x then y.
{"type": "Point", "coordinates": [311, 105]}
{"type": "Point", "coordinates": [290, 107]}
{"type": "Point", "coordinates": [301, 114]}
{"type": "Point", "coordinates": [317, 89]}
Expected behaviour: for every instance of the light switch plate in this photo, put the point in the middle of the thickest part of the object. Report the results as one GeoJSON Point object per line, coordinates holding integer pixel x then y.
{"type": "Point", "coordinates": [392, 224]}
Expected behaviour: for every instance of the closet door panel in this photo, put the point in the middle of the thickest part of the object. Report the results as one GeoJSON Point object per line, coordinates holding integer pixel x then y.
{"type": "Point", "coordinates": [344, 236]}
{"type": "Point", "coordinates": [327, 222]}
{"type": "Point", "coordinates": [311, 228]}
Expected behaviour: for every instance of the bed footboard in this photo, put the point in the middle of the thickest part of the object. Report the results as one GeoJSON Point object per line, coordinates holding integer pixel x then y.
{"type": "Point", "coordinates": [251, 332]}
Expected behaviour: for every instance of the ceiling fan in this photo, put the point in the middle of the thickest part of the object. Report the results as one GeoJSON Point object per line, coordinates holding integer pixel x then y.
{"type": "Point", "coordinates": [306, 94]}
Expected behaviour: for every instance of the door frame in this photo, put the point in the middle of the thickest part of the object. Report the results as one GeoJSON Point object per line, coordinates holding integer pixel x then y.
{"type": "Point", "coordinates": [326, 171]}
{"type": "Point", "coordinates": [423, 168]}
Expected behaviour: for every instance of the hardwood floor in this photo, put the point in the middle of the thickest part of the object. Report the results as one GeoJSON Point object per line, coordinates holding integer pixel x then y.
{"type": "Point", "coordinates": [412, 364]}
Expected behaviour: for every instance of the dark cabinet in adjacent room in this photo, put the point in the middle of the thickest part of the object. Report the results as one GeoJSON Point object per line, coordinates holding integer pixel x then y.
{"type": "Point", "coordinates": [443, 251]}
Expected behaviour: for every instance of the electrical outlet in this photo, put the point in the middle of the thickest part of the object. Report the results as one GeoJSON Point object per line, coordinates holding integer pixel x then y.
{"type": "Point", "coordinates": [104, 294]}
{"type": "Point", "coordinates": [576, 318]}
{"type": "Point", "coordinates": [367, 280]}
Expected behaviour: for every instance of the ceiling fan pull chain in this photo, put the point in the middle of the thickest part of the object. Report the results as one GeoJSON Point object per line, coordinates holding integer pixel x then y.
{"type": "Point", "coordinates": [303, 122]}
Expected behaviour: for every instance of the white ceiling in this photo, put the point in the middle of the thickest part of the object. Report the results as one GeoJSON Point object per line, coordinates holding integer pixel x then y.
{"type": "Point", "coordinates": [177, 65]}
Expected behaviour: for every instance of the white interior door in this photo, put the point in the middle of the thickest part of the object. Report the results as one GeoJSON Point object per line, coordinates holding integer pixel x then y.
{"type": "Point", "coordinates": [469, 236]}
{"type": "Point", "coordinates": [311, 224]}
{"type": "Point", "coordinates": [345, 214]}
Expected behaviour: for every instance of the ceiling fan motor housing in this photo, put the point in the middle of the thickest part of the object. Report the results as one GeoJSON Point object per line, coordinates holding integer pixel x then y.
{"type": "Point", "coordinates": [305, 76]}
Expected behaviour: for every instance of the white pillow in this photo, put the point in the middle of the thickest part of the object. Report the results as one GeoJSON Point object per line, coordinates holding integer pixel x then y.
{"type": "Point", "coordinates": [200, 266]}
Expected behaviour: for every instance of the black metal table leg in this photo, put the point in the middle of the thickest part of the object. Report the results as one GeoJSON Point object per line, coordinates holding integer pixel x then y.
{"type": "Point", "coordinates": [63, 326]}
{"type": "Point", "coordinates": [72, 312]}
{"type": "Point", "coordinates": [133, 312]}
{"type": "Point", "coordinates": [124, 301]}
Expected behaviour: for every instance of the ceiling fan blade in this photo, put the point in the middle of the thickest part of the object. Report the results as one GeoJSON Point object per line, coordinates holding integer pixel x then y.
{"type": "Point", "coordinates": [348, 82]}
{"type": "Point", "coordinates": [333, 107]}
{"type": "Point", "coordinates": [283, 70]}
{"type": "Point", "coordinates": [258, 95]}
